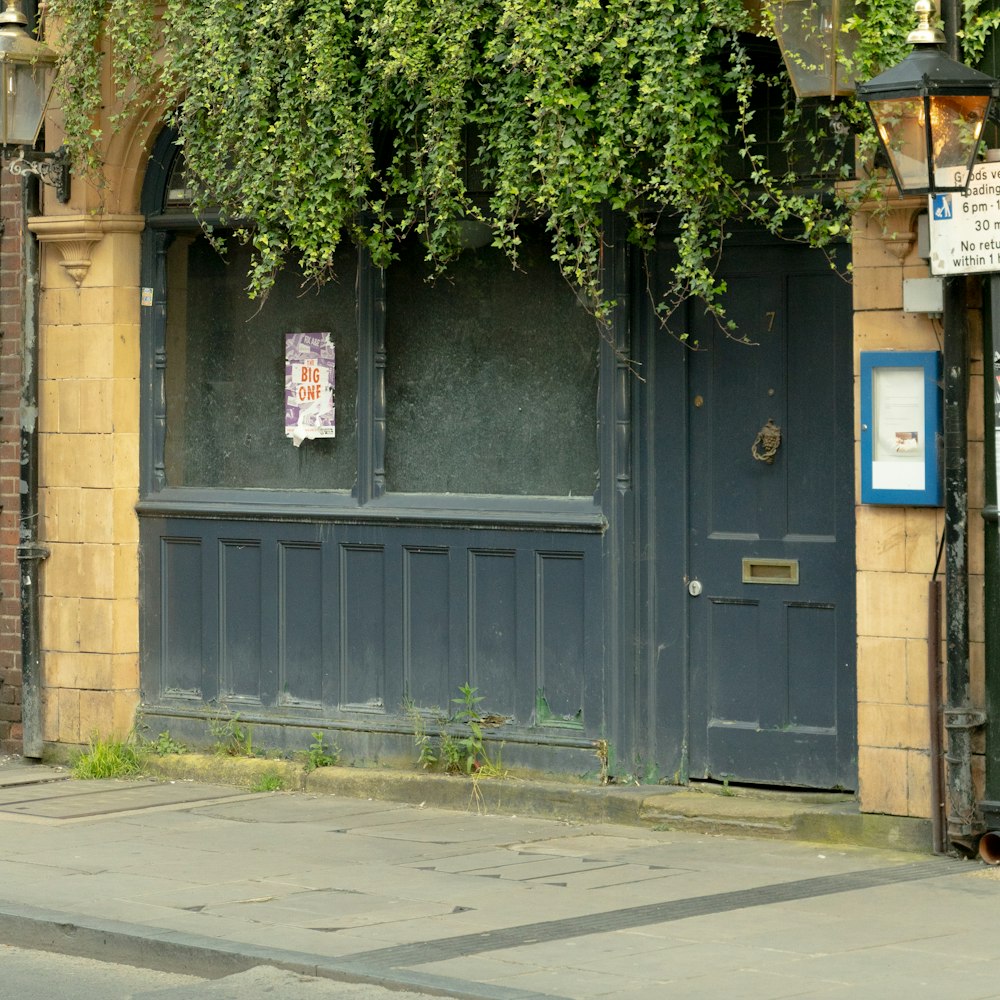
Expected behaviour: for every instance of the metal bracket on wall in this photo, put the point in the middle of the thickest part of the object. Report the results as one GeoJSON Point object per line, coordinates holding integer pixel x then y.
{"type": "Point", "coordinates": [50, 168]}
{"type": "Point", "coordinates": [29, 553]}
{"type": "Point", "coordinates": [964, 718]}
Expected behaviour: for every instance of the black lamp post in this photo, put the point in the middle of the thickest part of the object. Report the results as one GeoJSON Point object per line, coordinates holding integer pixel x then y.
{"type": "Point", "coordinates": [27, 73]}
{"type": "Point", "coordinates": [929, 111]}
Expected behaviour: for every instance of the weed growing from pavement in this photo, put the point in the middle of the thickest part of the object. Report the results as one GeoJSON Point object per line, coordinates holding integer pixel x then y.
{"type": "Point", "coordinates": [319, 754]}
{"type": "Point", "coordinates": [602, 751]}
{"type": "Point", "coordinates": [471, 753]}
{"type": "Point", "coordinates": [427, 756]}
{"type": "Point", "coordinates": [461, 752]}
{"type": "Point", "coordinates": [164, 745]}
{"type": "Point", "coordinates": [108, 758]}
{"type": "Point", "coordinates": [232, 737]}
{"type": "Point", "coordinates": [269, 782]}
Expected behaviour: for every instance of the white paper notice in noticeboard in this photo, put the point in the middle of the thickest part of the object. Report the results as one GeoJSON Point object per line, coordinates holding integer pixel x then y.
{"type": "Point", "coordinates": [899, 450]}
{"type": "Point", "coordinates": [310, 384]}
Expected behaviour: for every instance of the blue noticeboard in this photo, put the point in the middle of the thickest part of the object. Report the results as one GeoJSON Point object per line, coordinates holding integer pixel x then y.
{"type": "Point", "coordinates": [901, 428]}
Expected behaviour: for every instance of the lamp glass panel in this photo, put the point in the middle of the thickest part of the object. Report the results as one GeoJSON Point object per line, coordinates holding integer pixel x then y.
{"type": "Point", "coordinates": [811, 36]}
{"type": "Point", "coordinates": [26, 91]}
{"type": "Point", "coordinates": [900, 124]}
{"type": "Point", "coordinates": [847, 43]}
{"type": "Point", "coordinates": [956, 124]}
{"type": "Point", "coordinates": [6, 90]}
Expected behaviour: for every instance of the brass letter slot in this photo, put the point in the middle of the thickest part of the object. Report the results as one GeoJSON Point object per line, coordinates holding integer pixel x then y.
{"type": "Point", "coordinates": [771, 571]}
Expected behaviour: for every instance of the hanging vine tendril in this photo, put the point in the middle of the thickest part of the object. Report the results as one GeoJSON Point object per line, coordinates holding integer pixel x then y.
{"type": "Point", "coordinates": [320, 119]}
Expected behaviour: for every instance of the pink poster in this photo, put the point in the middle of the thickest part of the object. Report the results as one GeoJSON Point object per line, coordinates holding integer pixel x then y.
{"type": "Point", "coordinates": [310, 380]}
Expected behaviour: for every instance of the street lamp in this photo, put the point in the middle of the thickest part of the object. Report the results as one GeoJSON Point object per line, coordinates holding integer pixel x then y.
{"type": "Point", "coordinates": [812, 40]}
{"type": "Point", "coordinates": [27, 73]}
{"type": "Point", "coordinates": [929, 111]}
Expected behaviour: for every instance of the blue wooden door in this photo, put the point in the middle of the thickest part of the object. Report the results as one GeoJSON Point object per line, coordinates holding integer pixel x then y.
{"type": "Point", "coordinates": [771, 526]}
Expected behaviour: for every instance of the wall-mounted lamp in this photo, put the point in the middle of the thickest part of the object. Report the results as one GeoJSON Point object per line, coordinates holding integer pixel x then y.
{"type": "Point", "coordinates": [812, 40]}
{"type": "Point", "coordinates": [929, 112]}
{"type": "Point", "coordinates": [27, 73]}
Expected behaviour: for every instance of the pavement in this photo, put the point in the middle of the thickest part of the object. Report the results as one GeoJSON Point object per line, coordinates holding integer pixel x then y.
{"type": "Point", "coordinates": [212, 879]}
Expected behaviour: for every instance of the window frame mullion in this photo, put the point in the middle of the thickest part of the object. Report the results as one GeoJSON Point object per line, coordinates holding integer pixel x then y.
{"type": "Point", "coordinates": [371, 415]}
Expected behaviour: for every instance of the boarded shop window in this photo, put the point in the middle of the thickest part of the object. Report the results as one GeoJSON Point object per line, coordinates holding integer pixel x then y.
{"type": "Point", "coordinates": [225, 375]}
{"type": "Point", "coordinates": [492, 377]}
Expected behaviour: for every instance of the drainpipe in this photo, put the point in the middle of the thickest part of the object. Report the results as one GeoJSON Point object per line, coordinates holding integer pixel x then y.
{"type": "Point", "coordinates": [960, 719]}
{"type": "Point", "coordinates": [950, 17]}
{"type": "Point", "coordinates": [29, 553]}
{"type": "Point", "coordinates": [938, 810]}
{"type": "Point", "coordinates": [989, 847]}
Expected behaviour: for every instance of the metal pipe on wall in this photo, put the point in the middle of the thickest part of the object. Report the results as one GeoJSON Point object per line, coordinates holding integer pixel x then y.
{"type": "Point", "coordinates": [940, 845]}
{"type": "Point", "coordinates": [29, 554]}
{"type": "Point", "coordinates": [950, 20]}
{"type": "Point", "coordinates": [990, 806]}
{"type": "Point", "coordinates": [989, 847]}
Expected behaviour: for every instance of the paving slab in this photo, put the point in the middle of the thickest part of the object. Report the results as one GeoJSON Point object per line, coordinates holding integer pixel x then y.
{"type": "Point", "coordinates": [20, 774]}
{"type": "Point", "coordinates": [477, 905]}
{"type": "Point", "coordinates": [266, 981]}
{"type": "Point", "coordinates": [65, 801]}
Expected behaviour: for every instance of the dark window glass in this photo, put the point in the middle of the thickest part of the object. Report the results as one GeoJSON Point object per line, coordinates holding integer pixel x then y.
{"type": "Point", "coordinates": [225, 375]}
{"type": "Point", "coordinates": [491, 378]}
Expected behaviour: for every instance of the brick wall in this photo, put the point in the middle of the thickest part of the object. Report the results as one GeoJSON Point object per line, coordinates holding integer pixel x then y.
{"type": "Point", "coordinates": [11, 243]}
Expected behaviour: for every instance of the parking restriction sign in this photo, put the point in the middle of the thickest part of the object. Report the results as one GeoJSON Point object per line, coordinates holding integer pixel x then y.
{"type": "Point", "coordinates": [965, 228]}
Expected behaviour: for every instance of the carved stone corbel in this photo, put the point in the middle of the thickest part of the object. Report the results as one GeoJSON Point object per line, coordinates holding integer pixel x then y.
{"type": "Point", "coordinates": [899, 228]}
{"type": "Point", "coordinates": [75, 237]}
{"type": "Point", "coordinates": [896, 215]}
{"type": "Point", "coordinates": [76, 256]}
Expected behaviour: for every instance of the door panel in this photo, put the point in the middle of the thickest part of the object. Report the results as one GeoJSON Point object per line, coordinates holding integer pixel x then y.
{"type": "Point", "coordinates": [771, 667]}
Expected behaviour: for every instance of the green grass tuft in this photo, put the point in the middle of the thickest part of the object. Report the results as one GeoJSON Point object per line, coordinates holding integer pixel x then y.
{"type": "Point", "coordinates": [108, 758]}
{"type": "Point", "coordinates": [269, 782]}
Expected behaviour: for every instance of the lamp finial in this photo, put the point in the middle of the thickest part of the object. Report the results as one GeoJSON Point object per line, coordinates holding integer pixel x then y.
{"type": "Point", "coordinates": [923, 33]}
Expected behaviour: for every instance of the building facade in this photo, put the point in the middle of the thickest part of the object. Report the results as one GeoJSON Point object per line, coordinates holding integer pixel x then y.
{"type": "Point", "coordinates": [647, 559]}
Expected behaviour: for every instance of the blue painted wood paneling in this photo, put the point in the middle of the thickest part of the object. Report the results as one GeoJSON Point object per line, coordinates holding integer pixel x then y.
{"type": "Point", "coordinates": [561, 635]}
{"type": "Point", "coordinates": [734, 661]}
{"type": "Point", "coordinates": [181, 659]}
{"type": "Point", "coordinates": [427, 626]}
{"type": "Point", "coordinates": [812, 637]}
{"type": "Point", "coordinates": [240, 619]}
{"type": "Point", "coordinates": [493, 625]}
{"type": "Point", "coordinates": [339, 620]}
{"type": "Point", "coordinates": [301, 619]}
{"type": "Point", "coordinates": [362, 625]}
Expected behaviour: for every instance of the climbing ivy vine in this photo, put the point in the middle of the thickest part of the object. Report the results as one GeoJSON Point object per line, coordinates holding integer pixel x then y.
{"type": "Point", "coordinates": [320, 120]}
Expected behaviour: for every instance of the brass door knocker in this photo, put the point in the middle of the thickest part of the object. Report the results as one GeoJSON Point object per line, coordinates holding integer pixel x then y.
{"type": "Point", "coordinates": [766, 443]}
